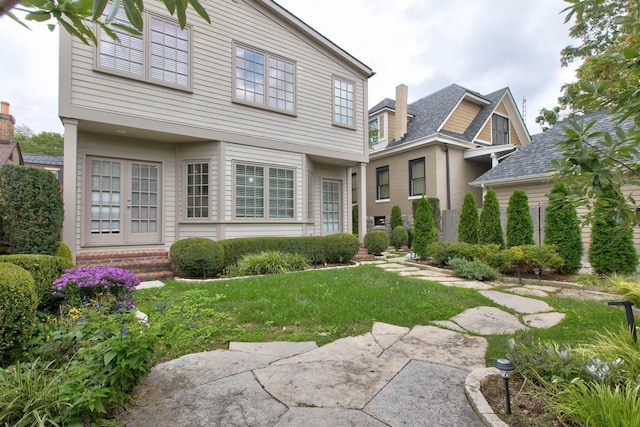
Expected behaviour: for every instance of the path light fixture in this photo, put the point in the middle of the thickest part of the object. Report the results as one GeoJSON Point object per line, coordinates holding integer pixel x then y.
{"type": "Point", "coordinates": [536, 271]}
{"type": "Point", "coordinates": [202, 263]}
{"type": "Point", "coordinates": [505, 367]}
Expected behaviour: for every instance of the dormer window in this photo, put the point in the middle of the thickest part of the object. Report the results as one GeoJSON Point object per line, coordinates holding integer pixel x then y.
{"type": "Point", "coordinates": [374, 130]}
{"type": "Point", "coordinates": [500, 129]}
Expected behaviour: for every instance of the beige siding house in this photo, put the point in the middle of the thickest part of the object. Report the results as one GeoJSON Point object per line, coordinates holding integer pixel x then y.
{"type": "Point", "coordinates": [529, 170]}
{"type": "Point", "coordinates": [436, 146]}
{"type": "Point", "coordinates": [249, 126]}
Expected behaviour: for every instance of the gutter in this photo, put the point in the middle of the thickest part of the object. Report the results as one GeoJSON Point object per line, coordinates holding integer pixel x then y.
{"type": "Point", "coordinates": [446, 150]}
{"type": "Point", "coordinates": [514, 180]}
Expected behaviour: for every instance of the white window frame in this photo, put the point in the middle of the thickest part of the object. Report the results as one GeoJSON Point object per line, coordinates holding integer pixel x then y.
{"type": "Point", "coordinates": [267, 192]}
{"type": "Point", "coordinates": [412, 193]}
{"type": "Point", "coordinates": [145, 43]}
{"type": "Point", "coordinates": [328, 205]}
{"type": "Point", "coordinates": [341, 109]}
{"type": "Point", "coordinates": [195, 197]}
{"type": "Point", "coordinates": [274, 80]}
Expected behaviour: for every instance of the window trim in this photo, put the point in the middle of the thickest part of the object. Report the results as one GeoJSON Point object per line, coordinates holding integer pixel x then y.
{"type": "Point", "coordinates": [378, 170]}
{"type": "Point", "coordinates": [185, 197]}
{"type": "Point", "coordinates": [146, 42]}
{"type": "Point", "coordinates": [265, 192]}
{"type": "Point", "coordinates": [377, 129]}
{"type": "Point", "coordinates": [493, 131]}
{"type": "Point", "coordinates": [335, 78]}
{"type": "Point", "coordinates": [339, 212]}
{"type": "Point", "coordinates": [265, 104]}
{"type": "Point", "coordinates": [424, 177]}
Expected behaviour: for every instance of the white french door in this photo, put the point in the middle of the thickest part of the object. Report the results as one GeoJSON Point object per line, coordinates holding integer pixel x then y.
{"type": "Point", "coordinates": [124, 201]}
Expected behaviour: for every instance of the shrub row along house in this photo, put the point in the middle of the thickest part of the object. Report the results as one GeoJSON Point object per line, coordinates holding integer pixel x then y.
{"type": "Point", "coordinates": [249, 126]}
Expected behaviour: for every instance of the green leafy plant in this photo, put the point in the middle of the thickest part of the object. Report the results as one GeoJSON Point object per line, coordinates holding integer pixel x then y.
{"type": "Point", "coordinates": [198, 256]}
{"type": "Point", "coordinates": [339, 247]}
{"type": "Point", "coordinates": [399, 237]}
{"type": "Point", "coordinates": [530, 257]}
{"type": "Point", "coordinates": [490, 228]}
{"type": "Point", "coordinates": [562, 229]}
{"type": "Point", "coordinates": [492, 255]}
{"type": "Point", "coordinates": [355, 220]}
{"type": "Point", "coordinates": [423, 228]}
{"type": "Point", "coordinates": [31, 210]}
{"type": "Point", "coordinates": [396, 217]}
{"type": "Point", "coordinates": [272, 262]}
{"type": "Point", "coordinates": [18, 302]}
{"type": "Point", "coordinates": [519, 222]}
{"type": "Point", "coordinates": [376, 241]}
{"type": "Point", "coordinates": [64, 252]}
{"type": "Point", "coordinates": [473, 270]}
{"type": "Point", "coordinates": [469, 221]}
{"type": "Point", "coordinates": [628, 287]}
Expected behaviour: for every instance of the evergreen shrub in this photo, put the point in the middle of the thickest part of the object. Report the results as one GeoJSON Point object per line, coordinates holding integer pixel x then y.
{"type": "Point", "coordinates": [529, 257]}
{"type": "Point", "coordinates": [271, 262]}
{"type": "Point", "coordinates": [469, 221]}
{"type": "Point", "coordinates": [31, 210]}
{"type": "Point", "coordinates": [562, 229]}
{"type": "Point", "coordinates": [396, 217]}
{"type": "Point", "coordinates": [189, 254]}
{"type": "Point", "coordinates": [519, 222]}
{"type": "Point", "coordinates": [355, 220]}
{"type": "Point", "coordinates": [376, 242]}
{"type": "Point", "coordinates": [472, 270]}
{"type": "Point", "coordinates": [339, 247]}
{"type": "Point", "coordinates": [64, 252]}
{"type": "Point", "coordinates": [399, 237]}
{"type": "Point", "coordinates": [490, 228]}
{"type": "Point", "coordinates": [492, 255]}
{"type": "Point", "coordinates": [18, 303]}
{"type": "Point", "coordinates": [424, 228]}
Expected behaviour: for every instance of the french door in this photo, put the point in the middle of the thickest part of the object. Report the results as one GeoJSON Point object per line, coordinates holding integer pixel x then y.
{"type": "Point", "coordinates": [124, 204]}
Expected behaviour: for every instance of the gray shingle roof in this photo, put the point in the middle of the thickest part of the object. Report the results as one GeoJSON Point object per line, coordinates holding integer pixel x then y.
{"type": "Point", "coordinates": [42, 159]}
{"type": "Point", "coordinates": [535, 158]}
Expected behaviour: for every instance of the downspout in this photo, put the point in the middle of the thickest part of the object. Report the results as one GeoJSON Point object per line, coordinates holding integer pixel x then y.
{"type": "Point", "coordinates": [446, 150]}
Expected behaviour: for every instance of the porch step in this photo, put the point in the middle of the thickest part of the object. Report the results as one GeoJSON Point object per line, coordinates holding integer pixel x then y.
{"type": "Point", "coordinates": [362, 255]}
{"type": "Point", "coordinates": [145, 264]}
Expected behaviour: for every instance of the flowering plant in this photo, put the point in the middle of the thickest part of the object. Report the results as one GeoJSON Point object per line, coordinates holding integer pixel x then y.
{"type": "Point", "coordinates": [93, 282]}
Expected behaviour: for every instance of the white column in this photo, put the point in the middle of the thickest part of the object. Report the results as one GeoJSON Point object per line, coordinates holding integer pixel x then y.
{"type": "Point", "coordinates": [70, 185]}
{"type": "Point", "coordinates": [362, 202]}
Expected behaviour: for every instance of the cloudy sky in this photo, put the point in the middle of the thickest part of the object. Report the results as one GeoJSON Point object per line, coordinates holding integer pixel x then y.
{"type": "Point", "coordinates": [483, 45]}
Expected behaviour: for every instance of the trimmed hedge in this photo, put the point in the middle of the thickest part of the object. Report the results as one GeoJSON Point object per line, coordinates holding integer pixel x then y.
{"type": "Point", "coordinates": [64, 252]}
{"type": "Point", "coordinates": [18, 304]}
{"type": "Point", "coordinates": [396, 217]}
{"type": "Point", "coordinates": [376, 242]}
{"type": "Point", "coordinates": [519, 222]}
{"type": "Point", "coordinates": [45, 270]}
{"type": "Point", "coordinates": [531, 256]}
{"type": "Point", "coordinates": [490, 228]}
{"type": "Point", "coordinates": [492, 254]}
{"type": "Point", "coordinates": [399, 237]}
{"type": "Point", "coordinates": [469, 221]}
{"type": "Point", "coordinates": [187, 254]}
{"type": "Point", "coordinates": [423, 228]}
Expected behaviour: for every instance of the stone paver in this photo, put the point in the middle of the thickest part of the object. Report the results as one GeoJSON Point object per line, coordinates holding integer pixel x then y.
{"type": "Point", "coordinates": [584, 294]}
{"type": "Point", "coordinates": [468, 284]}
{"type": "Point", "coordinates": [448, 324]}
{"type": "Point", "coordinates": [150, 284]}
{"type": "Point", "coordinates": [543, 320]}
{"type": "Point", "coordinates": [528, 292]}
{"type": "Point", "coordinates": [386, 335]}
{"type": "Point", "coordinates": [488, 321]}
{"type": "Point", "coordinates": [321, 417]}
{"type": "Point", "coordinates": [517, 303]}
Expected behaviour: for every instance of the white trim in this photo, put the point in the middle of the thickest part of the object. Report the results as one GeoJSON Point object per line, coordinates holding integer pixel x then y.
{"type": "Point", "coordinates": [432, 139]}
{"type": "Point", "coordinates": [541, 177]}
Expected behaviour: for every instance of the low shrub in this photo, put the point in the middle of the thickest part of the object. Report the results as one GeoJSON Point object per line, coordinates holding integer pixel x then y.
{"type": "Point", "coordinates": [18, 303]}
{"type": "Point", "coordinates": [44, 269]}
{"type": "Point", "coordinates": [111, 285]}
{"type": "Point", "coordinates": [198, 257]}
{"type": "Point", "coordinates": [399, 237]}
{"type": "Point", "coordinates": [627, 287]}
{"type": "Point", "coordinates": [529, 257]}
{"type": "Point", "coordinates": [376, 242]}
{"type": "Point", "coordinates": [340, 247]}
{"type": "Point", "coordinates": [491, 254]}
{"type": "Point", "coordinates": [272, 262]}
{"type": "Point", "coordinates": [473, 270]}
{"type": "Point", "coordinates": [64, 252]}
{"type": "Point", "coordinates": [410, 236]}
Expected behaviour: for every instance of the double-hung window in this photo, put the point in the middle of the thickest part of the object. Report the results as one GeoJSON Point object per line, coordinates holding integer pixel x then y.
{"type": "Point", "coordinates": [257, 195]}
{"type": "Point", "coordinates": [382, 183]}
{"type": "Point", "coordinates": [264, 79]}
{"type": "Point", "coordinates": [162, 54]}
{"type": "Point", "coordinates": [343, 102]}
{"type": "Point", "coordinates": [416, 177]}
{"type": "Point", "coordinates": [197, 190]}
{"type": "Point", "coordinates": [374, 132]}
{"type": "Point", "coordinates": [500, 128]}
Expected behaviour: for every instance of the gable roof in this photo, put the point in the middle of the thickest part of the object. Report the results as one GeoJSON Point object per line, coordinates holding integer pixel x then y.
{"type": "Point", "coordinates": [7, 148]}
{"type": "Point", "coordinates": [534, 160]}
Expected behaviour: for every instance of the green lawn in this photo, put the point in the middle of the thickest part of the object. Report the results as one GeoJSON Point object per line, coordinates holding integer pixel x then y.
{"type": "Point", "coordinates": [326, 304]}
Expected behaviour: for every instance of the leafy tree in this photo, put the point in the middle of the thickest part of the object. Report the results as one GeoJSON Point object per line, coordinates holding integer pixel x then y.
{"type": "Point", "coordinates": [562, 229]}
{"type": "Point", "coordinates": [77, 17]}
{"type": "Point", "coordinates": [424, 232]}
{"type": "Point", "coordinates": [469, 221]}
{"type": "Point", "coordinates": [490, 229]}
{"type": "Point", "coordinates": [612, 249]}
{"type": "Point", "coordinates": [396, 217]}
{"type": "Point", "coordinates": [519, 223]}
{"type": "Point", "coordinates": [594, 160]}
{"type": "Point", "coordinates": [43, 143]}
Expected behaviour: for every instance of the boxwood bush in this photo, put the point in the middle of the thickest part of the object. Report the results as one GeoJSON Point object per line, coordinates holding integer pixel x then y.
{"type": "Point", "coordinates": [18, 303]}
{"type": "Point", "coordinates": [64, 252]}
{"type": "Point", "coordinates": [340, 247]}
{"type": "Point", "coordinates": [44, 270]}
{"type": "Point", "coordinates": [189, 254]}
{"type": "Point", "coordinates": [492, 254]}
{"type": "Point", "coordinates": [376, 242]}
{"type": "Point", "coordinates": [399, 237]}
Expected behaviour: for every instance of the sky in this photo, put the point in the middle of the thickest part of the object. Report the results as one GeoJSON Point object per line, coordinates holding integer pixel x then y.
{"type": "Point", "coordinates": [483, 45]}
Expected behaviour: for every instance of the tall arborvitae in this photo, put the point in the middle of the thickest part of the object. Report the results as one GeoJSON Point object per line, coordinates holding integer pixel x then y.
{"type": "Point", "coordinates": [562, 229]}
{"type": "Point", "coordinates": [423, 228]}
{"type": "Point", "coordinates": [396, 217]}
{"type": "Point", "coordinates": [469, 222]}
{"type": "Point", "coordinates": [490, 230]}
{"type": "Point", "coordinates": [519, 223]}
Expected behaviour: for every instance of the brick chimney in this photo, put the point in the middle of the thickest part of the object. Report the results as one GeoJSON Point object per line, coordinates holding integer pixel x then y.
{"type": "Point", "coordinates": [7, 122]}
{"type": "Point", "coordinates": [401, 111]}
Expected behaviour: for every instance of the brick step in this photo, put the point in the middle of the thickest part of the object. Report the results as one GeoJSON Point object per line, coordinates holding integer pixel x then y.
{"type": "Point", "coordinates": [362, 255]}
{"type": "Point", "coordinates": [146, 265]}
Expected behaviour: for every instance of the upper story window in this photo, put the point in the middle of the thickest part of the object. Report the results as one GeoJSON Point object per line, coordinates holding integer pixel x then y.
{"type": "Point", "coordinates": [252, 185]}
{"type": "Point", "coordinates": [354, 188]}
{"type": "Point", "coordinates": [374, 132]}
{"type": "Point", "coordinates": [343, 102]}
{"type": "Point", "coordinates": [264, 80]}
{"type": "Point", "coordinates": [197, 190]}
{"type": "Point", "coordinates": [382, 183]}
{"type": "Point", "coordinates": [416, 177]}
{"type": "Point", "coordinates": [160, 55]}
{"type": "Point", "coordinates": [500, 129]}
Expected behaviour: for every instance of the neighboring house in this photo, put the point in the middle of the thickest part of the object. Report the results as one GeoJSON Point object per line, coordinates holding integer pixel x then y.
{"type": "Point", "coordinates": [529, 169]}
{"type": "Point", "coordinates": [9, 149]}
{"type": "Point", "coordinates": [53, 164]}
{"type": "Point", "coordinates": [436, 146]}
{"type": "Point", "coordinates": [249, 126]}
